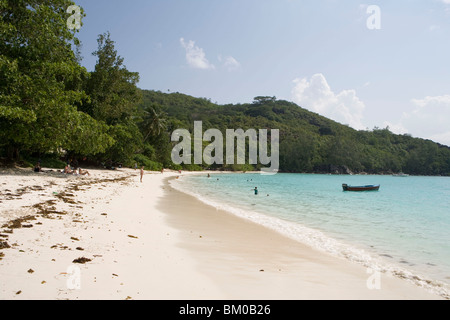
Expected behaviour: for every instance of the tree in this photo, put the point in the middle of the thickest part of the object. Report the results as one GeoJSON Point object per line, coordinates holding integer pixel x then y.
{"type": "Point", "coordinates": [153, 123]}
{"type": "Point", "coordinates": [41, 80]}
{"type": "Point", "coordinates": [264, 100]}
{"type": "Point", "coordinates": [111, 87]}
{"type": "Point", "coordinates": [113, 100]}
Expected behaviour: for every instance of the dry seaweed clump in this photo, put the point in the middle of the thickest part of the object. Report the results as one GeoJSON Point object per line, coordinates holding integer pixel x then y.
{"type": "Point", "coordinates": [82, 260]}
{"type": "Point", "coordinates": [18, 223]}
{"type": "Point", "coordinates": [66, 197]}
{"type": "Point", "coordinates": [47, 209]}
{"type": "Point", "coordinates": [4, 245]}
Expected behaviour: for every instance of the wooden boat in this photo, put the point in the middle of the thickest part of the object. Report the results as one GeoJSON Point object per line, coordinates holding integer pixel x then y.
{"type": "Point", "coordinates": [361, 188]}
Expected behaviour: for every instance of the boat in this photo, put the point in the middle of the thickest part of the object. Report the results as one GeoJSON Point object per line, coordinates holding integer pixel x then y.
{"type": "Point", "coordinates": [401, 175]}
{"type": "Point", "coordinates": [346, 187]}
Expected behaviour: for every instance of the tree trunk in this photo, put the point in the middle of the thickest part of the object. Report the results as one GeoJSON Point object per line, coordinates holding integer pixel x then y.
{"type": "Point", "coordinates": [13, 153]}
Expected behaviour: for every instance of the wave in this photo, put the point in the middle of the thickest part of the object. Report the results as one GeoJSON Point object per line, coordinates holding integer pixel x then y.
{"type": "Point", "coordinates": [322, 242]}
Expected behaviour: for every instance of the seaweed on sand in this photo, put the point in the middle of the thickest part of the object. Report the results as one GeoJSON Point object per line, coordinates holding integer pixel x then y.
{"type": "Point", "coordinates": [18, 223]}
{"type": "Point", "coordinates": [82, 260]}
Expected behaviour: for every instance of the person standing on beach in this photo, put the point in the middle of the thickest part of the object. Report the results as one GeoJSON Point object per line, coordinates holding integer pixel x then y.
{"type": "Point", "coordinates": [142, 173]}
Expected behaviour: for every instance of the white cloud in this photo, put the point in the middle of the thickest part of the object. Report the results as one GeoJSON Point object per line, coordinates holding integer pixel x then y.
{"type": "Point", "coordinates": [443, 138]}
{"type": "Point", "coordinates": [429, 119]}
{"type": "Point", "coordinates": [434, 28]}
{"type": "Point", "coordinates": [316, 95]}
{"type": "Point", "coordinates": [195, 56]}
{"type": "Point", "coordinates": [229, 63]}
{"type": "Point", "coordinates": [397, 128]}
{"type": "Point", "coordinates": [446, 3]}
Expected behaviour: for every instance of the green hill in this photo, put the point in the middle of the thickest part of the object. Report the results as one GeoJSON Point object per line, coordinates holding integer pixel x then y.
{"type": "Point", "coordinates": [308, 142]}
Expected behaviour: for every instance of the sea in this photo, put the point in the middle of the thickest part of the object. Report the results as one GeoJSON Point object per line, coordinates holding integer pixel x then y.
{"type": "Point", "coordinates": [402, 229]}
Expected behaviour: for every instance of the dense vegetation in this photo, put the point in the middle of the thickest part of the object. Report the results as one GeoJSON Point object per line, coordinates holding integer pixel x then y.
{"type": "Point", "coordinates": [53, 109]}
{"type": "Point", "coordinates": [308, 141]}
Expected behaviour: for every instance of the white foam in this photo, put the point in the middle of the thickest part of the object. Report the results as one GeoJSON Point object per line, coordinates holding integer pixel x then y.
{"type": "Point", "coordinates": [320, 241]}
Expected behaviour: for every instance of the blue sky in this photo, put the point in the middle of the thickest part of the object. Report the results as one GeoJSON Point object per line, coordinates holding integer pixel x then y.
{"type": "Point", "coordinates": [320, 54]}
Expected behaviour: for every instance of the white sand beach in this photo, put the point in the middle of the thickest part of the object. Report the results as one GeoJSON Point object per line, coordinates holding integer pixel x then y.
{"type": "Point", "coordinates": [148, 241]}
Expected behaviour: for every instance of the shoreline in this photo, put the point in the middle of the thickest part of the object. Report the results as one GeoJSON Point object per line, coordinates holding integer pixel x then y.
{"type": "Point", "coordinates": [255, 251]}
{"type": "Point", "coordinates": [328, 245]}
{"type": "Point", "coordinates": [147, 241]}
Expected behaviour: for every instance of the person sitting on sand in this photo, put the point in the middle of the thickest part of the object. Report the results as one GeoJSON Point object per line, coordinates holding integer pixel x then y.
{"type": "Point", "coordinates": [37, 167]}
{"type": "Point", "coordinates": [82, 172]}
{"type": "Point", "coordinates": [68, 170]}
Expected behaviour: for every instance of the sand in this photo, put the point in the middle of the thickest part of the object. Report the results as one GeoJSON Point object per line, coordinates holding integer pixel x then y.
{"type": "Point", "coordinates": [107, 236]}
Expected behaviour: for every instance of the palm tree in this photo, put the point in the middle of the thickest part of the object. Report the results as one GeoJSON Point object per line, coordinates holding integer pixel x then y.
{"type": "Point", "coordinates": [153, 122]}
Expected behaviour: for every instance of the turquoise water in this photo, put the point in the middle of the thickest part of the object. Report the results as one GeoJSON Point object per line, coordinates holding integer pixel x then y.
{"type": "Point", "coordinates": [404, 228]}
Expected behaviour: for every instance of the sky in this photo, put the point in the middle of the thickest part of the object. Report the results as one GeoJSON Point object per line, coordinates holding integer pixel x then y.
{"type": "Point", "coordinates": [363, 64]}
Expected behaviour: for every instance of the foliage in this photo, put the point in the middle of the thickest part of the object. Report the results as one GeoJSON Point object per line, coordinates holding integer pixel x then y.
{"type": "Point", "coordinates": [47, 161]}
{"type": "Point", "coordinates": [148, 164]}
{"type": "Point", "coordinates": [308, 141]}
{"type": "Point", "coordinates": [111, 87]}
{"type": "Point", "coordinates": [113, 98]}
{"type": "Point", "coordinates": [41, 81]}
